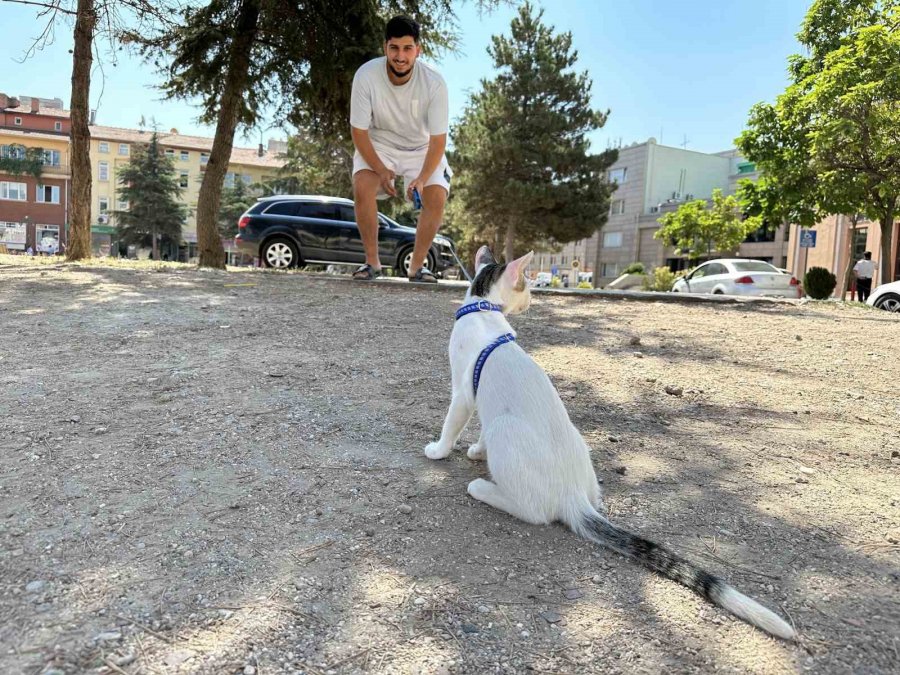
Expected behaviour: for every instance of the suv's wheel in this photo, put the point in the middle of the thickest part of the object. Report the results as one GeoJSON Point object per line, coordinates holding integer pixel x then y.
{"type": "Point", "coordinates": [405, 258]}
{"type": "Point", "coordinates": [280, 253]}
{"type": "Point", "coordinates": [889, 302]}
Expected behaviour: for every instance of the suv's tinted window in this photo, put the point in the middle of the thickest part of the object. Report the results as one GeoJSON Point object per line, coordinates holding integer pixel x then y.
{"type": "Point", "coordinates": [283, 209]}
{"type": "Point", "coordinates": [258, 207]}
{"type": "Point", "coordinates": [346, 213]}
{"type": "Point", "coordinates": [314, 210]}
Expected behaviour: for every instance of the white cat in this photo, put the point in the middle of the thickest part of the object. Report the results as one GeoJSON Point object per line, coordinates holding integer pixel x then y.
{"type": "Point", "coordinates": [540, 465]}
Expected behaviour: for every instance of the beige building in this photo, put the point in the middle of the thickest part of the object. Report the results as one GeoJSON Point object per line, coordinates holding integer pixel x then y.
{"type": "Point", "coordinates": [652, 180]}
{"type": "Point", "coordinates": [111, 148]}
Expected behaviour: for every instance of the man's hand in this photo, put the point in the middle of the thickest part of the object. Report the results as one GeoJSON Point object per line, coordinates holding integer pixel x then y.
{"type": "Point", "coordinates": [419, 184]}
{"type": "Point", "coordinates": [386, 176]}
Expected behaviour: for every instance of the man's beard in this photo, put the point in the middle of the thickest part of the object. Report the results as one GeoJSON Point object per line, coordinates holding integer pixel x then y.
{"type": "Point", "coordinates": [398, 73]}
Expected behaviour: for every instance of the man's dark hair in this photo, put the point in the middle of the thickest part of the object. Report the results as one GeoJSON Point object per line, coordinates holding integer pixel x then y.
{"type": "Point", "coordinates": [867, 255]}
{"type": "Point", "coordinates": [401, 26]}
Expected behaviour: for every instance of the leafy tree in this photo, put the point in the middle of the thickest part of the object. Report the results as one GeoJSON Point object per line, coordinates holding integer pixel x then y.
{"type": "Point", "coordinates": [698, 227]}
{"type": "Point", "coordinates": [235, 201]}
{"type": "Point", "coordinates": [524, 174]}
{"type": "Point", "coordinates": [829, 143]}
{"type": "Point", "coordinates": [150, 187]}
{"type": "Point", "coordinates": [243, 57]}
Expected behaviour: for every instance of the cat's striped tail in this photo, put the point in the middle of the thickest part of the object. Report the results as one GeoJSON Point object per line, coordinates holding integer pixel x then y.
{"type": "Point", "coordinates": [594, 527]}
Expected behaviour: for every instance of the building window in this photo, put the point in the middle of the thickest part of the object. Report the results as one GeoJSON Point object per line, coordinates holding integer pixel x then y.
{"type": "Point", "coordinates": [123, 149]}
{"type": "Point", "coordinates": [104, 204]}
{"type": "Point", "coordinates": [104, 170]}
{"type": "Point", "coordinates": [185, 155]}
{"type": "Point", "coordinates": [609, 270]}
{"type": "Point", "coordinates": [617, 208]}
{"type": "Point", "coordinates": [18, 121]}
{"type": "Point", "coordinates": [51, 158]}
{"type": "Point", "coordinates": [121, 205]}
{"type": "Point", "coordinates": [617, 175]}
{"type": "Point", "coordinates": [104, 146]}
{"type": "Point", "coordinates": [183, 179]}
{"type": "Point", "coordinates": [16, 192]}
{"type": "Point", "coordinates": [12, 151]}
{"type": "Point", "coordinates": [247, 178]}
{"type": "Point", "coordinates": [204, 158]}
{"type": "Point", "coordinates": [169, 153]}
{"type": "Point", "coordinates": [57, 126]}
{"type": "Point", "coordinates": [229, 180]}
{"type": "Point", "coordinates": [860, 237]}
{"type": "Point", "coordinates": [612, 240]}
{"type": "Point", "coordinates": [48, 194]}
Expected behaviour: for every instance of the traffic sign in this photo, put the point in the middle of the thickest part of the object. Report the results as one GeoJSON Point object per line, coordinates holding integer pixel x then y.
{"type": "Point", "coordinates": [807, 238]}
{"type": "Point", "coordinates": [554, 270]}
{"type": "Point", "coordinates": [575, 264]}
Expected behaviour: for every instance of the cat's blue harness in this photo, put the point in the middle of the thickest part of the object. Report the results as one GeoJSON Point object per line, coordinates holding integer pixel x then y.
{"type": "Point", "coordinates": [484, 306]}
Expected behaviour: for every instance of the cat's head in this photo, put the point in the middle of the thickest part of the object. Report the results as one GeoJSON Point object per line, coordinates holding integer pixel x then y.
{"type": "Point", "coordinates": [504, 285]}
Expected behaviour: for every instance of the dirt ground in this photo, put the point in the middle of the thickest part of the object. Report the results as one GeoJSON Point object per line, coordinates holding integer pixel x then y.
{"type": "Point", "coordinates": [214, 472]}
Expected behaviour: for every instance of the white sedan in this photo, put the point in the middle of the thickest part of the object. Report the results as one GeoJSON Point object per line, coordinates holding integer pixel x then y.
{"type": "Point", "coordinates": [739, 276]}
{"type": "Point", "coordinates": [886, 296]}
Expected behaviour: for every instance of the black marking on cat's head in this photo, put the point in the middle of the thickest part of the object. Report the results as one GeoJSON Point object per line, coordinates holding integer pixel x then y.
{"type": "Point", "coordinates": [487, 276]}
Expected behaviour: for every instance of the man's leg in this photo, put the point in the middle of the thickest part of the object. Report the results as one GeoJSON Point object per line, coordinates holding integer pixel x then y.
{"type": "Point", "coordinates": [433, 201]}
{"type": "Point", "coordinates": [365, 188]}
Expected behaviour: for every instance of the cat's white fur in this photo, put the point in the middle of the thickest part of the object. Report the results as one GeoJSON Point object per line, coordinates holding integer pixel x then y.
{"type": "Point", "coordinates": [540, 466]}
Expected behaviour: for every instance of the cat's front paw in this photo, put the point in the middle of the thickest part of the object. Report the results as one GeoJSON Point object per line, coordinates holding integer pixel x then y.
{"type": "Point", "coordinates": [436, 450]}
{"type": "Point", "coordinates": [477, 452]}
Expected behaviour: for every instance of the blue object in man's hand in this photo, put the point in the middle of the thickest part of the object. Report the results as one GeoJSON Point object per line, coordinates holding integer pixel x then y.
{"type": "Point", "coordinates": [416, 199]}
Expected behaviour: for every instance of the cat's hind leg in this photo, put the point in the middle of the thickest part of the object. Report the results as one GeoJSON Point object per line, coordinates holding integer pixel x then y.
{"type": "Point", "coordinates": [489, 493]}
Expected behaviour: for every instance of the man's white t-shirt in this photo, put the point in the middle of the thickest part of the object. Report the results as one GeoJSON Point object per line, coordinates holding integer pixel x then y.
{"type": "Point", "coordinates": [403, 117]}
{"type": "Point", "coordinates": [865, 269]}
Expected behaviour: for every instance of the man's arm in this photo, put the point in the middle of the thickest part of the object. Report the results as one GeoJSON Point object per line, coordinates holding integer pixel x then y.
{"type": "Point", "coordinates": [436, 146]}
{"type": "Point", "coordinates": [364, 145]}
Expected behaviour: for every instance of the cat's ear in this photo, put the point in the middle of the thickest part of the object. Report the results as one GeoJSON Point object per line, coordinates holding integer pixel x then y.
{"type": "Point", "coordinates": [484, 257]}
{"type": "Point", "coordinates": [515, 271]}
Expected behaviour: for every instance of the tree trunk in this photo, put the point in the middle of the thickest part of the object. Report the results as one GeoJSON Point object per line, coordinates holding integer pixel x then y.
{"type": "Point", "coordinates": [208, 240]}
{"type": "Point", "coordinates": [79, 246]}
{"type": "Point", "coordinates": [596, 277]}
{"type": "Point", "coordinates": [848, 272]}
{"type": "Point", "coordinates": [508, 250]}
{"type": "Point", "coordinates": [155, 246]}
{"type": "Point", "coordinates": [887, 232]}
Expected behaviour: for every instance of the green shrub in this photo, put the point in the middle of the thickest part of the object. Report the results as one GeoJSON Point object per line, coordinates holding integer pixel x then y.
{"type": "Point", "coordinates": [584, 284]}
{"type": "Point", "coordinates": [819, 283]}
{"type": "Point", "coordinates": [634, 268]}
{"type": "Point", "coordinates": [556, 282]}
{"type": "Point", "coordinates": [661, 279]}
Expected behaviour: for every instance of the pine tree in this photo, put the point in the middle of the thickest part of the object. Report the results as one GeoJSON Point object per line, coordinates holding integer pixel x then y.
{"type": "Point", "coordinates": [524, 172]}
{"type": "Point", "coordinates": [235, 201]}
{"type": "Point", "coordinates": [150, 187]}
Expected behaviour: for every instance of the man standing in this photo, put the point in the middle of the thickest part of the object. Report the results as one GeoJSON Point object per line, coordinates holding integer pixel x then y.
{"type": "Point", "coordinates": [399, 120]}
{"type": "Point", "coordinates": [864, 270]}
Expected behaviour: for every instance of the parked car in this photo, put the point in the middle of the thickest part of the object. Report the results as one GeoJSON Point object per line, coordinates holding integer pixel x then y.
{"type": "Point", "coordinates": [739, 276]}
{"type": "Point", "coordinates": [543, 279]}
{"type": "Point", "coordinates": [289, 230]}
{"type": "Point", "coordinates": [886, 296]}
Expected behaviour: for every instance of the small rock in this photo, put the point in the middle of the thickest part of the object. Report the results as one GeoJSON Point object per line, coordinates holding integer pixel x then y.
{"type": "Point", "coordinates": [613, 439]}
{"type": "Point", "coordinates": [597, 579]}
{"type": "Point", "coordinates": [483, 609]}
{"type": "Point", "coordinates": [635, 341]}
{"type": "Point", "coordinates": [620, 470]}
{"type": "Point", "coordinates": [249, 670]}
{"type": "Point", "coordinates": [35, 586]}
{"type": "Point", "coordinates": [99, 430]}
{"type": "Point", "coordinates": [188, 554]}
{"type": "Point", "coordinates": [370, 531]}
{"type": "Point", "coordinates": [651, 380]}
{"type": "Point", "coordinates": [573, 594]}
{"type": "Point", "coordinates": [551, 617]}
{"type": "Point", "coordinates": [673, 390]}
{"type": "Point", "coordinates": [419, 601]}
{"type": "Point", "coordinates": [807, 470]}
{"type": "Point", "coordinates": [405, 508]}
{"type": "Point", "coordinates": [638, 355]}
{"type": "Point", "coordinates": [798, 338]}
{"type": "Point", "coordinates": [125, 660]}
{"type": "Point", "coordinates": [895, 453]}
{"type": "Point", "coordinates": [800, 479]}
{"type": "Point", "coordinates": [75, 419]}
{"type": "Point", "coordinates": [469, 628]}
{"type": "Point", "coordinates": [109, 636]}
{"type": "Point", "coordinates": [525, 634]}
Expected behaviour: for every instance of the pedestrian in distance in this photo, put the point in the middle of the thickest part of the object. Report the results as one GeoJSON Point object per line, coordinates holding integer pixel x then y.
{"type": "Point", "coordinates": [863, 271]}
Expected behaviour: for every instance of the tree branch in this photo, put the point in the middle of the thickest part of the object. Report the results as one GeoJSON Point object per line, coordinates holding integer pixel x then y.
{"type": "Point", "coordinates": [53, 6]}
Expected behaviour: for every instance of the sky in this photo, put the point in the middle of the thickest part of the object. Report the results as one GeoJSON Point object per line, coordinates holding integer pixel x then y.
{"type": "Point", "coordinates": [684, 72]}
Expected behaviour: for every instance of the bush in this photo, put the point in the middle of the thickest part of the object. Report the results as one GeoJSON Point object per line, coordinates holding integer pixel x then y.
{"type": "Point", "coordinates": [634, 268]}
{"type": "Point", "coordinates": [584, 284]}
{"type": "Point", "coordinates": [556, 282]}
{"type": "Point", "coordinates": [819, 283]}
{"type": "Point", "coordinates": [661, 279]}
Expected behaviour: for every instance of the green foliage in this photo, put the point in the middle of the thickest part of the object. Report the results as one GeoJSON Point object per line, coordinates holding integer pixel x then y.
{"type": "Point", "coordinates": [584, 284]}
{"type": "Point", "coordinates": [523, 172]}
{"type": "Point", "coordinates": [829, 143]}
{"type": "Point", "coordinates": [634, 268]}
{"type": "Point", "coordinates": [556, 282]}
{"type": "Point", "coordinates": [661, 279]}
{"type": "Point", "coordinates": [32, 163]}
{"type": "Point", "coordinates": [697, 228]}
{"type": "Point", "coordinates": [316, 164]}
{"type": "Point", "coordinates": [149, 184]}
{"type": "Point", "coordinates": [235, 201]}
{"type": "Point", "coordinates": [819, 283]}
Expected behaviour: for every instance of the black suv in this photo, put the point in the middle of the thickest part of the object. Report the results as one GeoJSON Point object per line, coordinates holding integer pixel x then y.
{"type": "Point", "coordinates": [289, 230]}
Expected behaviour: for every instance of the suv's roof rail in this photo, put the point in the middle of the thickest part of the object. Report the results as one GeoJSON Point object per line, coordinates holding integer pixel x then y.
{"type": "Point", "coordinates": [307, 198]}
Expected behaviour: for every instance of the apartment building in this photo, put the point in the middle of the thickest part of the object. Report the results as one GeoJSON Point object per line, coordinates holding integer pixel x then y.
{"type": "Point", "coordinates": [34, 208]}
{"type": "Point", "coordinates": [34, 201]}
{"type": "Point", "coordinates": [652, 180]}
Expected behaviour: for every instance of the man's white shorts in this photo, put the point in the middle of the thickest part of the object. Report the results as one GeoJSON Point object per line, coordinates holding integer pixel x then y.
{"type": "Point", "coordinates": [406, 163]}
